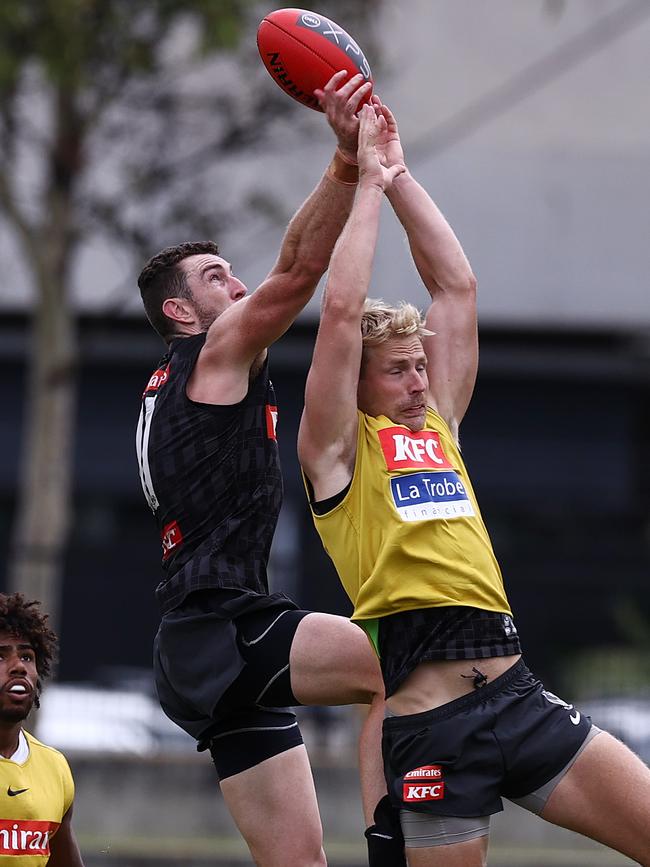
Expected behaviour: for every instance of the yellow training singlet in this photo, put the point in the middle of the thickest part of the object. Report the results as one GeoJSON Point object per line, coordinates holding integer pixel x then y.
{"type": "Point", "coordinates": [34, 797]}
{"type": "Point", "coordinates": [408, 534]}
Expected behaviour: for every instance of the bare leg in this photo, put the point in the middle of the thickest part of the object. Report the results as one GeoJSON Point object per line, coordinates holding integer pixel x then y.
{"type": "Point", "coordinates": [274, 806]}
{"type": "Point", "coordinates": [332, 662]}
{"type": "Point", "coordinates": [606, 796]}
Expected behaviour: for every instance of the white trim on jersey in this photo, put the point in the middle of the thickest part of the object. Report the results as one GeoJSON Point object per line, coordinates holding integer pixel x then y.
{"type": "Point", "coordinates": [142, 450]}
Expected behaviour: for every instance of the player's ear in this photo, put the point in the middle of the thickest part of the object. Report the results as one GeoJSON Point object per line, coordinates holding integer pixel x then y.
{"type": "Point", "coordinates": [178, 309]}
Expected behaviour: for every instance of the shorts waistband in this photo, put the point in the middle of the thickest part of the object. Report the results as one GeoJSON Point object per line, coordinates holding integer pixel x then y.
{"type": "Point", "coordinates": [472, 699]}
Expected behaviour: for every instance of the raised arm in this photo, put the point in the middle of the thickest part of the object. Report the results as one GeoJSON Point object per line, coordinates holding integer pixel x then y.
{"type": "Point", "coordinates": [248, 327]}
{"type": "Point", "coordinates": [328, 429]}
{"type": "Point", "coordinates": [452, 352]}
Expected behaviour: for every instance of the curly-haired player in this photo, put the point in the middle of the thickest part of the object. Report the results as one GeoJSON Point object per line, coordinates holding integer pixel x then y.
{"type": "Point", "coordinates": [36, 786]}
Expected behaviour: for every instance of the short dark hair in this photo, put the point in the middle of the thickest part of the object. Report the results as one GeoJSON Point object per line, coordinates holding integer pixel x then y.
{"type": "Point", "coordinates": [161, 278]}
{"type": "Point", "coordinates": [22, 619]}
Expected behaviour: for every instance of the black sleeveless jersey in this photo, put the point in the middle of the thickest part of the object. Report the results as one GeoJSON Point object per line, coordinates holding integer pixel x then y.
{"type": "Point", "coordinates": [211, 475]}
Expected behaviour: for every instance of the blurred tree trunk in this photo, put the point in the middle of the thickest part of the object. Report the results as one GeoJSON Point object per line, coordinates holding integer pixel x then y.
{"type": "Point", "coordinates": [44, 501]}
{"type": "Point", "coordinates": [44, 496]}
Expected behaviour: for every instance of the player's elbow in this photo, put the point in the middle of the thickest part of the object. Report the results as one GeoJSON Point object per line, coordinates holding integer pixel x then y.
{"type": "Point", "coordinates": [460, 288]}
{"type": "Point", "coordinates": [342, 301]}
{"type": "Point", "coordinates": [459, 285]}
{"type": "Point", "coordinates": [309, 269]}
{"type": "Point", "coordinates": [336, 301]}
{"type": "Point", "coordinates": [462, 285]}
{"type": "Point", "coordinates": [304, 277]}
{"type": "Point", "coordinates": [467, 285]}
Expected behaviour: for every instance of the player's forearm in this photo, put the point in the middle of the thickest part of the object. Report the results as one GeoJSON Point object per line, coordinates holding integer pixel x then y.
{"type": "Point", "coordinates": [351, 265]}
{"type": "Point", "coordinates": [436, 250]}
{"type": "Point", "coordinates": [316, 226]}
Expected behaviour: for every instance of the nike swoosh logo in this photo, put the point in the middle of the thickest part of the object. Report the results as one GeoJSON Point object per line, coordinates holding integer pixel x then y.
{"type": "Point", "coordinates": [575, 717]}
{"type": "Point", "coordinates": [12, 792]}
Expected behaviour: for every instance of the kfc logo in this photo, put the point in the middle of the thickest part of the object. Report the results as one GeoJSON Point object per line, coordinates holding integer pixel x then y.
{"type": "Point", "coordinates": [171, 538]}
{"type": "Point", "coordinates": [431, 792]}
{"type": "Point", "coordinates": [405, 450]}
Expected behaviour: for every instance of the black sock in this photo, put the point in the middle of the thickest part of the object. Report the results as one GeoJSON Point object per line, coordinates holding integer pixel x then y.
{"type": "Point", "coordinates": [385, 839]}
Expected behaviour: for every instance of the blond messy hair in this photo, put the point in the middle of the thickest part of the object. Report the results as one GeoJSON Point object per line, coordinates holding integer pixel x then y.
{"type": "Point", "coordinates": [381, 321]}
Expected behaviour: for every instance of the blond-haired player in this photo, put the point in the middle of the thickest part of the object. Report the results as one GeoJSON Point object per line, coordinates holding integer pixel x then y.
{"type": "Point", "coordinates": [468, 722]}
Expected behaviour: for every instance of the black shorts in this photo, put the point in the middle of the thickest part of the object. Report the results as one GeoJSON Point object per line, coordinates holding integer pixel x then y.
{"type": "Point", "coordinates": [226, 681]}
{"type": "Point", "coordinates": [506, 738]}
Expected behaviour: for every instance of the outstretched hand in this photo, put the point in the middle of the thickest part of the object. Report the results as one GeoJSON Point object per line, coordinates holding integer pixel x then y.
{"type": "Point", "coordinates": [389, 146]}
{"type": "Point", "coordinates": [341, 104]}
{"type": "Point", "coordinates": [372, 170]}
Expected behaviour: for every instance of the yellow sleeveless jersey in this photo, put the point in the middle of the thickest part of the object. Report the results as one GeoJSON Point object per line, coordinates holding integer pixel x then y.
{"type": "Point", "coordinates": [34, 797]}
{"type": "Point", "coordinates": [408, 534]}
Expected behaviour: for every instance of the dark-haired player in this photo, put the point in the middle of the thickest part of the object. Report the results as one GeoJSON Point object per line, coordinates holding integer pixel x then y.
{"type": "Point", "coordinates": [36, 786]}
{"type": "Point", "coordinates": [231, 658]}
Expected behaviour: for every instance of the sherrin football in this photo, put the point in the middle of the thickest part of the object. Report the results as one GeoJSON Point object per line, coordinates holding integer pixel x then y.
{"type": "Point", "coordinates": [302, 50]}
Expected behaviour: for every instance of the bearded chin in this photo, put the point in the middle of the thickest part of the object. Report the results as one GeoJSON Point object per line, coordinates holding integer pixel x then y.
{"type": "Point", "coordinates": [206, 318]}
{"type": "Point", "coordinates": [14, 715]}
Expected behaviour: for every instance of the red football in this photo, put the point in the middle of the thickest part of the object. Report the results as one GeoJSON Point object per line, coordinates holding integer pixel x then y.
{"type": "Point", "coordinates": [302, 50]}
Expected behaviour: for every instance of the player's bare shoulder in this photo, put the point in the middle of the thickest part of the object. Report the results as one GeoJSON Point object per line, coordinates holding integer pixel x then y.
{"type": "Point", "coordinates": [223, 371]}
